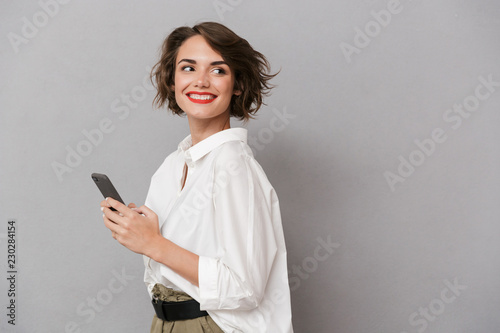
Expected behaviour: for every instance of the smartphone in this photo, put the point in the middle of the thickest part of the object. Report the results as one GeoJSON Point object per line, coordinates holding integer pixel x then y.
{"type": "Point", "coordinates": [106, 187]}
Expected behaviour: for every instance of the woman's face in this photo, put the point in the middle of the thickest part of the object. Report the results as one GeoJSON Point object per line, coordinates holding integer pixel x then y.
{"type": "Point", "coordinates": [203, 81]}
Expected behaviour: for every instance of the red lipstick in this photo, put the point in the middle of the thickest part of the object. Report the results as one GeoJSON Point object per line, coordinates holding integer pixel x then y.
{"type": "Point", "coordinates": [201, 97]}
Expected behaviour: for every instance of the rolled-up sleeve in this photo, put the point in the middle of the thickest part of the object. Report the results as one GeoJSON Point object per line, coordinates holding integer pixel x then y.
{"type": "Point", "coordinates": [243, 202]}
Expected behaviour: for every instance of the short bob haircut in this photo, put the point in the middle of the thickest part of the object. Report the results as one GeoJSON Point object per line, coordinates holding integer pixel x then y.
{"type": "Point", "coordinates": [250, 68]}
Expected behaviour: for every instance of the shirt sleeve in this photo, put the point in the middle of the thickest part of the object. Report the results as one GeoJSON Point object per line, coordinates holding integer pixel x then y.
{"type": "Point", "coordinates": [245, 212]}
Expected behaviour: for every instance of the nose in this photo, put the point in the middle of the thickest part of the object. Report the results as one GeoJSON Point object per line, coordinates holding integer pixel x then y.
{"type": "Point", "coordinates": [202, 80]}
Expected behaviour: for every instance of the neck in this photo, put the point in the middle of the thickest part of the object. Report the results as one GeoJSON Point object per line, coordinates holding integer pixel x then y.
{"type": "Point", "coordinates": [203, 128]}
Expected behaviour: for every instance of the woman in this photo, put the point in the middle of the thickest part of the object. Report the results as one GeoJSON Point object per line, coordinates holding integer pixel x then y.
{"type": "Point", "coordinates": [210, 230]}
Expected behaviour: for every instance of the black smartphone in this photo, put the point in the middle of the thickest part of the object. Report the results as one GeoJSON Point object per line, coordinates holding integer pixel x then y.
{"type": "Point", "coordinates": [106, 187]}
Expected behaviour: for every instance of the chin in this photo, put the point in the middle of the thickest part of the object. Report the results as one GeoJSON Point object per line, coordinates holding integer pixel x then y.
{"type": "Point", "coordinates": [205, 114]}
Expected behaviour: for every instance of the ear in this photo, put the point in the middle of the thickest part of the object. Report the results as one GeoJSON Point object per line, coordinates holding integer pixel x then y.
{"type": "Point", "coordinates": [237, 88]}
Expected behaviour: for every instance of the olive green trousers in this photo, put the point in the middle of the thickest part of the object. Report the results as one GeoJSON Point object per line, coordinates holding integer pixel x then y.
{"type": "Point", "coordinates": [198, 325]}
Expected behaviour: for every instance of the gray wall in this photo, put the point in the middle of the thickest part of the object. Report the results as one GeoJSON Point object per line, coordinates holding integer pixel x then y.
{"type": "Point", "coordinates": [381, 140]}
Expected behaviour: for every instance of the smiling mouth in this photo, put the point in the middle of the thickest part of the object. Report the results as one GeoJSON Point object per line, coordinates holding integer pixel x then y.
{"type": "Point", "coordinates": [201, 98]}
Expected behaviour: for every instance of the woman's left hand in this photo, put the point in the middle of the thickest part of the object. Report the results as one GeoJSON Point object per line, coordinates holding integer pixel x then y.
{"type": "Point", "coordinates": [135, 228]}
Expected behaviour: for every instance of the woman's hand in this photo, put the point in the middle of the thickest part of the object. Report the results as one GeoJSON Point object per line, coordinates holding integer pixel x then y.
{"type": "Point", "coordinates": [135, 228]}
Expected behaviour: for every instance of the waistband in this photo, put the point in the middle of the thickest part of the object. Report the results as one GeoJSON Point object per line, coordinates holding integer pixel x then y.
{"type": "Point", "coordinates": [173, 305]}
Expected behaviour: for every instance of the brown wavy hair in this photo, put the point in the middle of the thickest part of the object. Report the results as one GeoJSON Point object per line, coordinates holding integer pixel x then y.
{"type": "Point", "coordinates": [251, 69]}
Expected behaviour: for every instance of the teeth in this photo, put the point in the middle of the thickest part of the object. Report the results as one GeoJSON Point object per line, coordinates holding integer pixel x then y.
{"type": "Point", "coordinates": [202, 97]}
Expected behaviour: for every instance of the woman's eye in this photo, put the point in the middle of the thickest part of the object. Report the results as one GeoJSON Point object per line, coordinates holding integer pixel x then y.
{"type": "Point", "coordinates": [219, 71]}
{"type": "Point", "coordinates": [187, 69]}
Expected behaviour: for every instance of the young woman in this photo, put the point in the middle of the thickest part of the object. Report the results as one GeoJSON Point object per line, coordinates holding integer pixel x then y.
{"type": "Point", "coordinates": [210, 230]}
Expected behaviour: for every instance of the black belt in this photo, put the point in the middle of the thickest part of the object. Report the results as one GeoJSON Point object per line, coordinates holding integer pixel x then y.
{"type": "Point", "coordinates": [172, 311]}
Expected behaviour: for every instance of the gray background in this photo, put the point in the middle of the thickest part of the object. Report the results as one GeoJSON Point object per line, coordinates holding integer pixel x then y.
{"type": "Point", "coordinates": [349, 123]}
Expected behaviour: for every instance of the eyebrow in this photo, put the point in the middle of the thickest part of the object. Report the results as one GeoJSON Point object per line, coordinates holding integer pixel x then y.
{"type": "Point", "coordinates": [214, 63]}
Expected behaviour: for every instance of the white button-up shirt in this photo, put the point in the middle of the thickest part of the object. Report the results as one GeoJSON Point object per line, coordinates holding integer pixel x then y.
{"type": "Point", "coordinates": [228, 214]}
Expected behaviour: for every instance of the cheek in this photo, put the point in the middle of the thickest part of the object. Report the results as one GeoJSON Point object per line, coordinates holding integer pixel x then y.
{"type": "Point", "coordinates": [179, 83]}
{"type": "Point", "coordinates": [177, 91]}
{"type": "Point", "coordinates": [225, 87]}
{"type": "Point", "coordinates": [180, 86]}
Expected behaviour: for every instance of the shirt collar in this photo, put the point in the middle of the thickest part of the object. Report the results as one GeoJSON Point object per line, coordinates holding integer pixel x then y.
{"type": "Point", "coordinates": [194, 153]}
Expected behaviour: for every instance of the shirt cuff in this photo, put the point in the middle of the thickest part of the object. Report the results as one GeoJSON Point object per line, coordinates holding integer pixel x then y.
{"type": "Point", "coordinates": [207, 280]}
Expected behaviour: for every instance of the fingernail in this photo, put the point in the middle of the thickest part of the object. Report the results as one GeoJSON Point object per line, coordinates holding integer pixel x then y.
{"type": "Point", "coordinates": [102, 209]}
